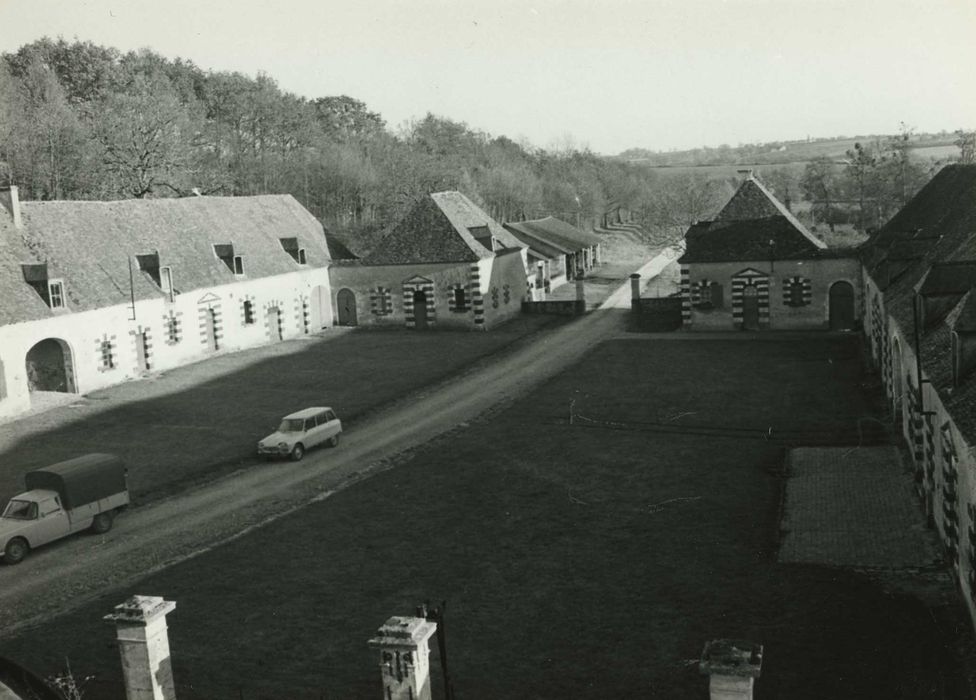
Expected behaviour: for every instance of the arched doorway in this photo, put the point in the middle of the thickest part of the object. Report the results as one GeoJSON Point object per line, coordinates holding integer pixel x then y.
{"type": "Point", "coordinates": [346, 301]}
{"type": "Point", "coordinates": [49, 367]}
{"type": "Point", "coordinates": [319, 302]}
{"type": "Point", "coordinates": [841, 306]}
{"type": "Point", "coordinates": [750, 307]}
{"type": "Point", "coordinates": [420, 309]}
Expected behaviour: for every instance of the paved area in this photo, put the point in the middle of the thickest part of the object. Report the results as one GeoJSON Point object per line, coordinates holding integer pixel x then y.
{"type": "Point", "coordinates": [853, 507]}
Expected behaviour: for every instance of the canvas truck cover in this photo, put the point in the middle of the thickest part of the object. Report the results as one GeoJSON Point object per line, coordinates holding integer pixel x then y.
{"type": "Point", "coordinates": [81, 480]}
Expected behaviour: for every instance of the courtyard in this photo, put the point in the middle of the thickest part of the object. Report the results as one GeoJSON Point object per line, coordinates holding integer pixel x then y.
{"type": "Point", "coordinates": [588, 538]}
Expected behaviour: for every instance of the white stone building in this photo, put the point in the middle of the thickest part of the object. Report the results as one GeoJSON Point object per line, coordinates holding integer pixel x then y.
{"type": "Point", "coordinates": [95, 293]}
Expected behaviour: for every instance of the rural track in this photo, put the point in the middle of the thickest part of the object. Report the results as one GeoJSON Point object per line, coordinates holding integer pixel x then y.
{"type": "Point", "coordinates": [149, 538]}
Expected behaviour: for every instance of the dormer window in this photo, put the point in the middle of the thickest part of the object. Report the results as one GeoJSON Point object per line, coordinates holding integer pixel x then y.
{"type": "Point", "coordinates": [50, 290]}
{"type": "Point", "coordinates": [162, 277]}
{"type": "Point", "coordinates": [290, 246]}
{"type": "Point", "coordinates": [150, 265]}
{"type": "Point", "coordinates": [483, 235]}
{"type": "Point", "coordinates": [56, 294]}
{"type": "Point", "coordinates": [225, 253]}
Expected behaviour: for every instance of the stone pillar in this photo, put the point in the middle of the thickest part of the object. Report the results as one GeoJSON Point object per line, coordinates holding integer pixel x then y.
{"type": "Point", "coordinates": [732, 666]}
{"type": "Point", "coordinates": [140, 628]}
{"type": "Point", "coordinates": [635, 289]}
{"type": "Point", "coordinates": [580, 295]}
{"type": "Point", "coordinates": [404, 651]}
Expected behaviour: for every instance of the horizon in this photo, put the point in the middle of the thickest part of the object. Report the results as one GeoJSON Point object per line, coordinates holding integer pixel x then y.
{"type": "Point", "coordinates": [560, 72]}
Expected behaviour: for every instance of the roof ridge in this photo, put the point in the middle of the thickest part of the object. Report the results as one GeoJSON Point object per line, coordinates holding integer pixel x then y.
{"type": "Point", "coordinates": [787, 213]}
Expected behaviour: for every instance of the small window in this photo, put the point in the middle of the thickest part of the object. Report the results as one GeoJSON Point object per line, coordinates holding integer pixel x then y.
{"type": "Point", "coordinates": [172, 329]}
{"type": "Point", "coordinates": [330, 415]}
{"type": "Point", "coordinates": [238, 265]}
{"type": "Point", "coordinates": [49, 507]}
{"type": "Point", "coordinates": [309, 423]}
{"type": "Point", "coordinates": [108, 358]}
{"type": "Point", "coordinates": [302, 260]}
{"type": "Point", "coordinates": [321, 418]}
{"type": "Point", "coordinates": [796, 293]}
{"type": "Point", "coordinates": [55, 291]}
{"type": "Point", "coordinates": [460, 300]}
{"type": "Point", "coordinates": [710, 295]}
{"type": "Point", "coordinates": [248, 312]}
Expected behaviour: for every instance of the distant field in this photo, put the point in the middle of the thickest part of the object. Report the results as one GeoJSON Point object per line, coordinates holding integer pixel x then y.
{"type": "Point", "coordinates": [797, 155]}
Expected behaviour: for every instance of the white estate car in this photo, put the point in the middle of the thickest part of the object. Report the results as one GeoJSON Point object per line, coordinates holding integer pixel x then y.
{"type": "Point", "coordinates": [301, 431]}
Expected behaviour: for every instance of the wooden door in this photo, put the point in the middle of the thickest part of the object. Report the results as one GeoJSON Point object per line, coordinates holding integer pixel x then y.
{"type": "Point", "coordinates": [841, 306]}
{"type": "Point", "coordinates": [420, 309]}
{"type": "Point", "coordinates": [750, 307]}
{"type": "Point", "coordinates": [346, 301]}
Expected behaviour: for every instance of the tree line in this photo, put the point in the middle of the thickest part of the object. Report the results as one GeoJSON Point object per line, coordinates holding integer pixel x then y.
{"type": "Point", "coordinates": [83, 121]}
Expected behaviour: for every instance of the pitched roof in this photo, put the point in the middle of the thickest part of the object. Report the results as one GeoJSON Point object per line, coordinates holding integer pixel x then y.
{"type": "Point", "coordinates": [753, 201]}
{"type": "Point", "coordinates": [931, 244]}
{"type": "Point", "coordinates": [441, 227]}
{"type": "Point", "coordinates": [553, 232]}
{"type": "Point", "coordinates": [770, 238]}
{"type": "Point", "coordinates": [89, 245]}
{"type": "Point", "coordinates": [937, 225]}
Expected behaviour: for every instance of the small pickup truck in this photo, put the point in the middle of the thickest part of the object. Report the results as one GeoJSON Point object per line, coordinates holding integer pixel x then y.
{"type": "Point", "coordinates": [84, 493]}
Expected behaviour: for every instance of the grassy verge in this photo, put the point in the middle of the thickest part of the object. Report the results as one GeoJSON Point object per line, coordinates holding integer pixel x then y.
{"type": "Point", "coordinates": [200, 421]}
{"type": "Point", "coordinates": [585, 562]}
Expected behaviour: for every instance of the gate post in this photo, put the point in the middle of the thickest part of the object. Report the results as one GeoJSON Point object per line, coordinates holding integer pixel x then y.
{"type": "Point", "coordinates": [140, 627]}
{"type": "Point", "coordinates": [404, 651]}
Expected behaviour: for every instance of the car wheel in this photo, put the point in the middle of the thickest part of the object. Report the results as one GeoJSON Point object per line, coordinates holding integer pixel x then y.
{"type": "Point", "coordinates": [102, 523]}
{"type": "Point", "coordinates": [16, 550]}
{"type": "Point", "coordinates": [297, 452]}
{"type": "Point", "coordinates": [334, 440]}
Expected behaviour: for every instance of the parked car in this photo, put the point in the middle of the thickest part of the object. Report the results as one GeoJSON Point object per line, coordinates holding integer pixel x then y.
{"type": "Point", "coordinates": [83, 493]}
{"type": "Point", "coordinates": [300, 432]}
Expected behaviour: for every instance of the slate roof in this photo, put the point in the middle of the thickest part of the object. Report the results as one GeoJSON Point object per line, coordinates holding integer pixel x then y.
{"type": "Point", "coordinates": [743, 229]}
{"type": "Point", "coordinates": [754, 201]}
{"type": "Point", "coordinates": [438, 229]}
{"type": "Point", "coordinates": [749, 239]}
{"type": "Point", "coordinates": [938, 225]}
{"type": "Point", "coordinates": [934, 236]}
{"type": "Point", "coordinates": [89, 246]}
{"type": "Point", "coordinates": [552, 233]}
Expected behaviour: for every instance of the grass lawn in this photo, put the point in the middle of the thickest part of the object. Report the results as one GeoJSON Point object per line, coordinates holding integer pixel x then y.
{"type": "Point", "coordinates": [584, 562]}
{"type": "Point", "coordinates": [198, 421]}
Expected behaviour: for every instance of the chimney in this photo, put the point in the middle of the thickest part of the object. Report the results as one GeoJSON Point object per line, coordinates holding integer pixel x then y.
{"type": "Point", "coordinates": [140, 628]}
{"type": "Point", "coordinates": [10, 201]}
{"type": "Point", "coordinates": [635, 289]}
{"type": "Point", "coordinates": [732, 666]}
{"type": "Point", "coordinates": [404, 652]}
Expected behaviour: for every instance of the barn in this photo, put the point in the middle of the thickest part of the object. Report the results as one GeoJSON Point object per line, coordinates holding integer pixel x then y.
{"type": "Point", "coordinates": [96, 293]}
{"type": "Point", "coordinates": [756, 267]}
{"type": "Point", "coordinates": [446, 264]}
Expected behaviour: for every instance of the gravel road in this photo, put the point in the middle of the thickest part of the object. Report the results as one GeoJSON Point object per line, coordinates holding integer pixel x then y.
{"type": "Point", "coordinates": [149, 538]}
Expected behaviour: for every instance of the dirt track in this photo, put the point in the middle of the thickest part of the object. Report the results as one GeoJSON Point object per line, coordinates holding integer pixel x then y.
{"type": "Point", "coordinates": [149, 538]}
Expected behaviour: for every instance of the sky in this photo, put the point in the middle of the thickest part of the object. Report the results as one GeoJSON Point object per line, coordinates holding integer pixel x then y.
{"type": "Point", "coordinates": [607, 74]}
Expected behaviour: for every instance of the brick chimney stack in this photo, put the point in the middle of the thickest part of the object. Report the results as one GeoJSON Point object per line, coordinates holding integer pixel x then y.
{"type": "Point", "coordinates": [10, 201]}
{"type": "Point", "coordinates": [404, 652]}
{"type": "Point", "coordinates": [140, 628]}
